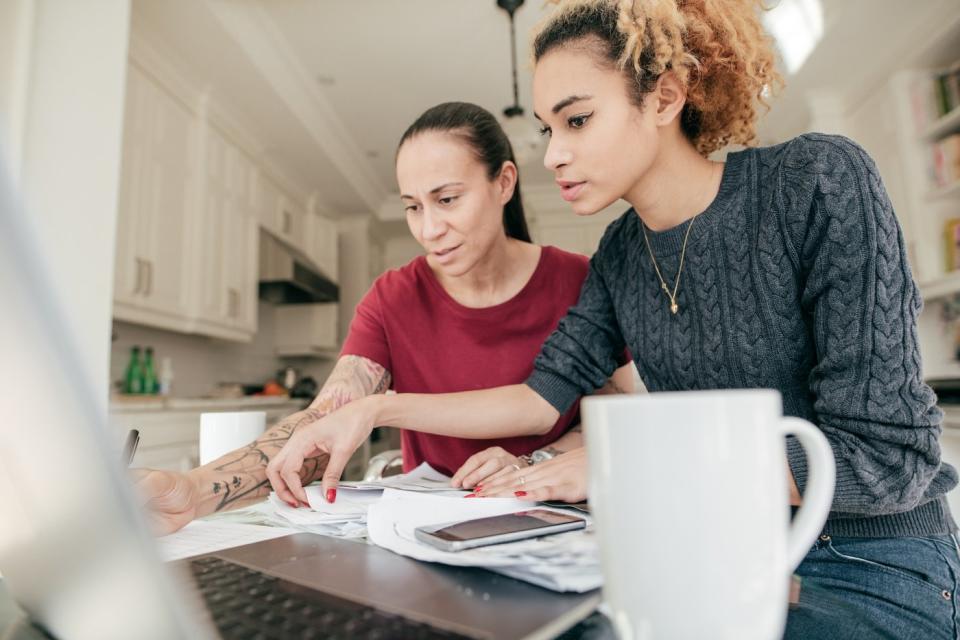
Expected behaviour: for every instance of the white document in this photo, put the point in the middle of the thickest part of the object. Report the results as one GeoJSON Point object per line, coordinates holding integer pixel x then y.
{"type": "Point", "coordinates": [422, 479]}
{"type": "Point", "coordinates": [204, 536]}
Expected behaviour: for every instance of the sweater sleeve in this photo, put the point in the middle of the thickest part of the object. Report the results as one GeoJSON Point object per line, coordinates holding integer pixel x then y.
{"type": "Point", "coordinates": [587, 346]}
{"type": "Point", "coordinates": [861, 304]}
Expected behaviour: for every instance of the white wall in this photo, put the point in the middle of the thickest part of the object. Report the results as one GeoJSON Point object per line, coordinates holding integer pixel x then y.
{"type": "Point", "coordinates": [62, 73]}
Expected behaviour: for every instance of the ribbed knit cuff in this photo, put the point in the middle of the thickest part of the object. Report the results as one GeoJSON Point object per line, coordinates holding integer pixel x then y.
{"type": "Point", "coordinates": [558, 391]}
{"type": "Point", "coordinates": [929, 519]}
{"type": "Point", "coordinates": [847, 488]}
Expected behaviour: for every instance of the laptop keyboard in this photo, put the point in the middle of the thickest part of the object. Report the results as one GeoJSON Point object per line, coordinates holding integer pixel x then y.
{"type": "Point", "coordinates": [248, 604]}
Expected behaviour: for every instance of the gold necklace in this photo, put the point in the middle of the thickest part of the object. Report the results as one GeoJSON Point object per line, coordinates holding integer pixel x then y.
{"type": "Point", "coordinates": [663, 283]}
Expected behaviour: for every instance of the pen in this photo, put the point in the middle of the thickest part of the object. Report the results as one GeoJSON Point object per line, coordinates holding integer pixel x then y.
{"type": "Point", "coordinates": [130, 446]}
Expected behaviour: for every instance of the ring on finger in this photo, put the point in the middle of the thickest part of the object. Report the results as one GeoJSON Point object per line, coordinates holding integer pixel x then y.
{"type": "Point", "coordinates": [523, 481]}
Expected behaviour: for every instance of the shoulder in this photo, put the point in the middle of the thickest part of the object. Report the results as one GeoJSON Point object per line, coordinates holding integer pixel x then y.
{"type": "Point", "coordinates": [812, 161]}
{"type": "Point", "coordinates": [400, 282]}
{"type": "Point", "coordinates": [565, 261]}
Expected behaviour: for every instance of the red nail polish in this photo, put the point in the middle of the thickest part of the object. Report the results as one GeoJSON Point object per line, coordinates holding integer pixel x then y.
{"type": "Point", "coordinates": [479, 485]}
{"type": "Point", "coordinates": [520, 494]}
{"type": "Point", "coordinates": [331, 495]}
{"type": "Point", "coordinates": [470, 495]}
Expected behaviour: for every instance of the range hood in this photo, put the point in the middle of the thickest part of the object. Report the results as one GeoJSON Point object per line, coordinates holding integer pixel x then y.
{"type": "Point", "coordinates": [288, 277]}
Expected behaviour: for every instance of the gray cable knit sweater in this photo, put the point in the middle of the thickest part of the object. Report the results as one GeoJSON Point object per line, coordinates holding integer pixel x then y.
{"type": "Point", "coordinates": [795, 279]}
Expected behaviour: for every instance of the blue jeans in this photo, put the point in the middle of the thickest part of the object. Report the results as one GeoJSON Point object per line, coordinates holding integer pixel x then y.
{"type": "Point", "coordinates": [867, 588]}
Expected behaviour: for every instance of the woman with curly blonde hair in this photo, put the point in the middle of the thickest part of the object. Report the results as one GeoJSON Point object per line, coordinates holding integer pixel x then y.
{"type": "Point", "coordinates": [782, 267]}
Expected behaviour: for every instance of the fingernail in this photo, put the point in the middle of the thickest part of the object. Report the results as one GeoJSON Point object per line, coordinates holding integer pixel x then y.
{"type": "Point", "coordinates": [470, 495]}
{"type": "Point", "coordinates": [331, 495]}
{"type": "Point", "coordinates": [293, 504]}
{"type": "Point", "coordinates": [520, 494]}
{"type": "Point", "coordinates": [479, 485]}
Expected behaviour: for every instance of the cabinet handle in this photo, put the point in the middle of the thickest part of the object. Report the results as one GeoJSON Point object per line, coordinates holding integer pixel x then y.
{"type": "Point", "coordinates": [149, 278]}
{"type": "Point", "coordinates": [139, 279]}
{"type": "Point", "coordinates": [287, 222]}
{"type": "Point", "coordinates": [234, 303]}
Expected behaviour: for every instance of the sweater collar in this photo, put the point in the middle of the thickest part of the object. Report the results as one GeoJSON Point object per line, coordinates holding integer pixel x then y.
{"type": "Point", "coordinates": [670, 241]}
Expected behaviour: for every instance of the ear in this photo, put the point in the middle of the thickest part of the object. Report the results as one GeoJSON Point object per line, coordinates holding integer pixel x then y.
{"type": "Point", "coordinates": [507, 181]}
{"type": "Point", "coordinates": [668, 97]}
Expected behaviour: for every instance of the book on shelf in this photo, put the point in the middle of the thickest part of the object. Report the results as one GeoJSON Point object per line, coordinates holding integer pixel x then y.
{"type": "Point", "coordinates": [933, 97]}
{"type": "Point", "coordinates": [945, 161]}
{"type": "Point", "coordinates": [951, 238]}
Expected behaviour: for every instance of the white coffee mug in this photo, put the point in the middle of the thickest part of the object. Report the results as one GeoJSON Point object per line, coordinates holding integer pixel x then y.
{"type": "Point", "coordinates": [221, 433]}
{"type": "Point", "coordinates": [691, 503]}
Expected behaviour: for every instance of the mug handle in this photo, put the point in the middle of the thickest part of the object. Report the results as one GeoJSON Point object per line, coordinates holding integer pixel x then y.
{"type": "Point", "coordinates": [818, 494]}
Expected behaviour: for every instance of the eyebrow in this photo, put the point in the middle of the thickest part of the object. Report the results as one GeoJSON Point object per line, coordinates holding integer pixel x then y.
{"type": "Point", "coordinates": [563, 104]}
{"type": "Point", "coordinates": [436, 189]}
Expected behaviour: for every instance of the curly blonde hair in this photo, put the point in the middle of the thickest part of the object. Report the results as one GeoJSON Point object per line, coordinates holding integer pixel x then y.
{"type": "Point", "coordinates": [717, 49]}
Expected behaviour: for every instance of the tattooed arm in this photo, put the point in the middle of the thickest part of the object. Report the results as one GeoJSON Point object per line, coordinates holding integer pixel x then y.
{"type": "Point", "coordinates": [240, 477]}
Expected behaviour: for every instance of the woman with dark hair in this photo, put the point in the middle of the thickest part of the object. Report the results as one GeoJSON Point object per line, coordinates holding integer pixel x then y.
{"type": "Point", "coordinates": [783, 267]}
{"type": "Point", "coordinates": [470, 314]}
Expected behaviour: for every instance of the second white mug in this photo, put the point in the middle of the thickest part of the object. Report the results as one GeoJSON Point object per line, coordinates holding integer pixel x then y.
{"type": "Point", "coordinates": [223, 432]}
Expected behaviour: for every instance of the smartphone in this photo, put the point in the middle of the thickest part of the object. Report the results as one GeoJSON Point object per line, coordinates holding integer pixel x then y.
{"type": "Point", "coordinates": [457, 536]}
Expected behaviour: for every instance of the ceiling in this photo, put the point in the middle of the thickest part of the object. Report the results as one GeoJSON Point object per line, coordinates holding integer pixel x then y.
{"type": "Point", "coordinates": [328, 86]}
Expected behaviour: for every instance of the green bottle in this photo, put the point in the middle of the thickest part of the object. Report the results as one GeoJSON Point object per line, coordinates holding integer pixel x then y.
{"type": "Point", "coordinates": [133, 379]}
{"type": "Point", "coordinates": [150, 384]}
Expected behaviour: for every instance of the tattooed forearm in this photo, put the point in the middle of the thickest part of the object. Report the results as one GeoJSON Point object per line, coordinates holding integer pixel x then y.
{"type": "Point", "coordinates": [240, 476]}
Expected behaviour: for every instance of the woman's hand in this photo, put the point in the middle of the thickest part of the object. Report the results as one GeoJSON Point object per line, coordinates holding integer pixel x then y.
{"type": "Point", "coordinates": [563, 478]}
{"type": "Point", "coordinates": [484, 467]}
{"type": "Point", "coordinates": [338, 434]}
{"type": "Point", "coordinates": [170, 498]}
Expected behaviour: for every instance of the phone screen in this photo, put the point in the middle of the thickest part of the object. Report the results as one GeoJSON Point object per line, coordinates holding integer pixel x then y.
{"type": "Point", "coordinates": [498, 525]}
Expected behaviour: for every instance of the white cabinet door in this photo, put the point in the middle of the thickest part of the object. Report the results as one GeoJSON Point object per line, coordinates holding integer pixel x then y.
{"type": "Point", "coordinates": [166, 206]}
{"type": "Point", "coordinates": [241, 247]}
{"type": "Point", "coordinates": [129, 268]}
{"type": "Point", "coordinates": [324, 245]}
{"type": "Point", "coordinates": [155, 198]}
{"type": "Point", "coordinates": [228, 242]}
{"type": "Point", "coordinates": [212, 303]}
{"type": "Point", "coordinates": [292, 222]}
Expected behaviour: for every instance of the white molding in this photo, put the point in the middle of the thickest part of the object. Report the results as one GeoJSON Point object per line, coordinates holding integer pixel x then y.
{"type": "Point", "coordinates": [145, 55]}
{"type": "Point", "coordinates": [256, 33]}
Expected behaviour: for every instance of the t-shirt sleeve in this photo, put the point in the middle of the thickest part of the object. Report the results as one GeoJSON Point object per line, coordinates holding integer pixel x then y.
{"type": "Point", "coordinates": [367, 336]}
{"type": "Point", "coordinates": [585, 349]}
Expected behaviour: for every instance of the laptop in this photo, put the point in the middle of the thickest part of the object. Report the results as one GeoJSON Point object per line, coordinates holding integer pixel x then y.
{"type": "Point", "coordinates": [76, 555]}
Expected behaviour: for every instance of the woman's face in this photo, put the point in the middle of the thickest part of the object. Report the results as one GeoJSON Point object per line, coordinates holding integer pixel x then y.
{"type": "Point", "coordinates": [601, 144]}
{"type": "Point", "coordinates": [453, 210]}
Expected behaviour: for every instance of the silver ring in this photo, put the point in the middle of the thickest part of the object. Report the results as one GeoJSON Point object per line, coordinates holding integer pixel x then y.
{"type": "Point", "coordinates": [516, 466]}
{"type": "Point", "coordinates": [523, 481]}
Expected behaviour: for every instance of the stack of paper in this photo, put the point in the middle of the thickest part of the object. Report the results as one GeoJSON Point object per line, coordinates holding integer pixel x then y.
{"type": "Point", "coordinates": [347, 517]}
{"type": "Point", "coordinates": [562, 562]}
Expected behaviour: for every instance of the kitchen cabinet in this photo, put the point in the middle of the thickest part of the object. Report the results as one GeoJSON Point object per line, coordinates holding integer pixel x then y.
{"type": "Point", "coordinates": [281, 214]}
{"type": "Point", "coordinates": [153, 223]}
{"type": "Point", "coordinates": [323, 247]}
{"type": "Point", "coordinates": [227, 252]}
{"type": "Point", "coordinates": [306, 329]}
{"type": "Point", "coordinates": [170, 432]}
{"type": "Point", "coordinates": [192, 203]}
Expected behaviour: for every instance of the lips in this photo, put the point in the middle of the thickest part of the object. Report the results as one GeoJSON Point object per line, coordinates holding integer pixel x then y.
{"type": "Point", "coordinates": [445, 255]}
{"type": "Point", "coordinates": [569, 190]}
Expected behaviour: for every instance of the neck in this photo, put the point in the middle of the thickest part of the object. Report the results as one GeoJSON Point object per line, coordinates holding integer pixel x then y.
{"type": "Point", "coordinates": [679, 185]}
{"type": "Point", "coordinates": [497, 277]}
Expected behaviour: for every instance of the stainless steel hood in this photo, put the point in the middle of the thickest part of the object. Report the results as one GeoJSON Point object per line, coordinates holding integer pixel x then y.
{"type": "Point", "coordinates": [288, 277]}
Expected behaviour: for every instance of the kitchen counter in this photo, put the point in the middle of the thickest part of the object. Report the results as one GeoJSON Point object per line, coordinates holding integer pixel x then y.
{"type": "Point", "coordinates": [170, 427]}
{"type": "Point", "coordinates": [134, 404]}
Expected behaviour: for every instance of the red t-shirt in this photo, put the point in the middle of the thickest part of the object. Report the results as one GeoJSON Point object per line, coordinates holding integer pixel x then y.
{"type": "Point", "coordinates": [430, 343]}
